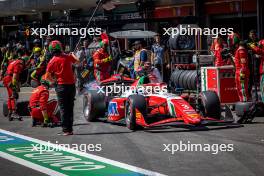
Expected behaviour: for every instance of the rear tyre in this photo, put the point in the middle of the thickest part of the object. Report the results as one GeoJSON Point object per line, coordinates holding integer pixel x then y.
{"type": "Point", "coordinates": [134, 102]}
{"type": "Point", "coordinates": [211, 106]}
{"type": "Point", "coordinates": [5, 109]}
{"type": "Point", "coordinates": [22, 108]}
{"type": "Point", "coordinates": [93, 106]}
{"type": "Point", "coordinates": [243, 110]}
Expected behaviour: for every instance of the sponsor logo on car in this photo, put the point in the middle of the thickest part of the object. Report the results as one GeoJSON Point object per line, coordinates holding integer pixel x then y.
{"type": "Point", "coordinates": [112, 109]}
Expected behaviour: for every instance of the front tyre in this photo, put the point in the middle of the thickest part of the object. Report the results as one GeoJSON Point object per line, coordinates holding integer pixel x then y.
{"type": "Point", "coordinates": [134, 102]}
{"type": "Point", "coordinates": [211, 106]}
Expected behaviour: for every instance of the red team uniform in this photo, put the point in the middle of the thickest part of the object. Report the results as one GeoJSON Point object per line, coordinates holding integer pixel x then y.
{"type": "Point", "coordinates": [102, 66]}
{"type": "Point", "coordinates": [242, 73]}
{"type": "Point", "coordinates": [39, 102]}
{"type": "Point", "coordinates": [217, 48]}
{"type": "Point", "coordinates": [15, 67]}
{"type": "Point", "coordinates": [62, 69]}
{"type": "Point", "coordinates": [260, 50]}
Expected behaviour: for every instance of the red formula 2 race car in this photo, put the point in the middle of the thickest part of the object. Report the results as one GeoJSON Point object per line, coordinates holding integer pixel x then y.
{"type": "Point", "coordinates": [147, 108]}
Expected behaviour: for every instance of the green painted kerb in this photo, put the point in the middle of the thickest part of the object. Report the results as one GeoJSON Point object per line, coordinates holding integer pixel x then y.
{"type": "Point", "coordinates": [62, 161]}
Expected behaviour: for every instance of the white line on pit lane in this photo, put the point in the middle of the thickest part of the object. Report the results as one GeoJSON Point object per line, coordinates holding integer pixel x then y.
{"type": "Point", "coordinates": [30, 164]}
{"type": "Point", "coordinates": [87, 155]}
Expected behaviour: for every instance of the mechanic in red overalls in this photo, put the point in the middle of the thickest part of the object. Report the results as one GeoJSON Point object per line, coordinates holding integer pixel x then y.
{"type": "Point", "coordinates": [60, 68]}
{"type": "Point", "coordinates": [216, 48]}
{"type": "Point", "coordinates": [11, 80]}
{"type": "Point", "coordinates": [41, 109]}
{"type": "Point", "coordinates": [242, 72]}
{"type": "Point", "coordinates": [102, 60]}
{"type": "Point", "coordinates": [260, 51]}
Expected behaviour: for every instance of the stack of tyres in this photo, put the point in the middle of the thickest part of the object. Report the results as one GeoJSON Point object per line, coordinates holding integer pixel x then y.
{"type": "Point", "coordinates": [185, 79]}
{"type": "Point", "coordinates": [175, 78]}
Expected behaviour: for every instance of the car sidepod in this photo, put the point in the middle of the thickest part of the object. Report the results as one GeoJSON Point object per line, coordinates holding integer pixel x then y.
{"type": "Point", "coordinates": [182, 110]}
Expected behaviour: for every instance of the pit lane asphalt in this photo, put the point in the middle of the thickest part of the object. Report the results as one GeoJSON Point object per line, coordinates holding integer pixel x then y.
{"type": "Point", "coordinates": [145, 148]}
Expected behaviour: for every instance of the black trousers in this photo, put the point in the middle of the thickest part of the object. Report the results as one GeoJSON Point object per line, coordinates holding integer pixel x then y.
{"type": "Point", "coordinates": [66, 96]}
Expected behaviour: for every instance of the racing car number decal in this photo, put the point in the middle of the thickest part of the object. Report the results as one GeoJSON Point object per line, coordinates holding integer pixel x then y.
{"type": "Point", "coordinates": [112, 109]}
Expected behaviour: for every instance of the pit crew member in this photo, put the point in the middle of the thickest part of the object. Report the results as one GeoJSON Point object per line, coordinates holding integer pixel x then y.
{"type": "Point", "coordinates": [254, 72]}
{"type": "Point", "coordinates": [60, 68]}
{"type": "Point", "coordinates": [7, 53]}
{"type": "Point", "coordinates": [259, 49]}
{"type": "Point", "coordinates": [39, 65]}
{"type": "Point", "coordinates": [11, 82]}
{"type": "Point", "coordinates": [216, 49]}
{"type": "Point", "coordinates": [102, 61]}
{"type": "Point", "coordinates": [242, 72]}
{"type": "Point", "coordinates": [40, 109]}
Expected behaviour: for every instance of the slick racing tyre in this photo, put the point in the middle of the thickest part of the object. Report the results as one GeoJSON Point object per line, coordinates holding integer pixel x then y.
{"type": "Point", "coordinates": [242, 108]}
{"type": "Point", "coordinates": [193, 81]}
{"type": "Point", "coordinates": [134, 102]}
{"type": "Point", "coordinates": [93, 105]}
{"type": "Point", "coordinates": [185, 79]}
{"type": "Point", "coordinates": [211, 106]}
{"type": "Point", "coordinates": [22, 108]}
{"type": "Point", "coordinates": [243, 111]}
{"type": "Point", "coordinates": [5, 109]}
{"type": "Point", "coordinates": [172, 84]}
{"type": "Point", "coordinates": [181, 78]}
